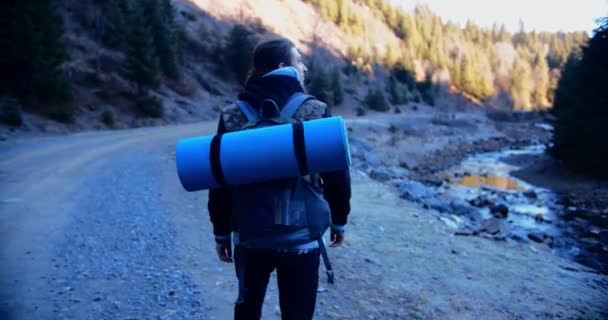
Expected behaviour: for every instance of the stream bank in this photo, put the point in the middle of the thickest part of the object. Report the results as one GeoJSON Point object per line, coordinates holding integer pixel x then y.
{"type": "Point", "coordinates": [470, 172]}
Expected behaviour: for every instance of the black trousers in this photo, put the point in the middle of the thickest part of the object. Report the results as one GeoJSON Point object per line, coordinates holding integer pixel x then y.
{"type": "Point", "coordinates": [297, 277]}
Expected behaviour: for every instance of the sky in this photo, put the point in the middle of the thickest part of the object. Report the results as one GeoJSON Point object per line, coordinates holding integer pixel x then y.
{"type": "Point", "coordinates": [539, 15]}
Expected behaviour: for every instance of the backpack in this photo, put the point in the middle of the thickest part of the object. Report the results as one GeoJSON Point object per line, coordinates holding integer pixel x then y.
{"type": "Point", "coordinates": [280, 213]}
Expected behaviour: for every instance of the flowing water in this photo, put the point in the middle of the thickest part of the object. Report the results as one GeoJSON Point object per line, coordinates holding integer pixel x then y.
{"type": "Point", "coordinates": [533, 211]}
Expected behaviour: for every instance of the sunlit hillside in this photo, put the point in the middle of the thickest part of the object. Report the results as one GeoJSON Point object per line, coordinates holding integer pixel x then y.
{"type": "Point", "coordinates": [127, 63]}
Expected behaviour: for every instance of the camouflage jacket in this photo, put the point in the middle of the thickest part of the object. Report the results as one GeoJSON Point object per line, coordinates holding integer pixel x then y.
{"type": "Point", "coordinates": [233, 118]}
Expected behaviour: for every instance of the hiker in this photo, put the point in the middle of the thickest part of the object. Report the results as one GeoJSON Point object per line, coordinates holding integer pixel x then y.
{"type": "Point", "coordinates": [276, 78]}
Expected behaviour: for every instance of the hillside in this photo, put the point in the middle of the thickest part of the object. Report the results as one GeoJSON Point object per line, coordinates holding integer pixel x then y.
{"type": "Point", "coordinates": [367, 46]}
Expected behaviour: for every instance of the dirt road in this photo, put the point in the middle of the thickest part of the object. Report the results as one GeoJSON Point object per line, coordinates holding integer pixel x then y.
{"type": "Point", "coordinates": [97, 226]}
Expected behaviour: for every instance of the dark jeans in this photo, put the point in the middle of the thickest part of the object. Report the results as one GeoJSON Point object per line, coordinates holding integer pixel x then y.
{"type": "Point", "coordinates": [297, 277]}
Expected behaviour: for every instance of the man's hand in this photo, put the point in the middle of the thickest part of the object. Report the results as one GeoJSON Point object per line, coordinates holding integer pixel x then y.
{"type": "Point", "coordinates": [337, 238]}
{"type": "Point", "coordinates": [224, 251]}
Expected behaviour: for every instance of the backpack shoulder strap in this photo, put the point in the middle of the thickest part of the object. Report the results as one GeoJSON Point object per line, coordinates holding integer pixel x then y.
{"type": "Point", "coordinates": [293, 104]}
{"type": "Point", "coordinates": [247, 110]}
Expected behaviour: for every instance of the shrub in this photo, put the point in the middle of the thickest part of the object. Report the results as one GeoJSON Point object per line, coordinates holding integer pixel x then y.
{"type": "Point", "coordinates": [61, 112]}
{"type": "Point", "coordinates": [361, 111]}
{"type": "Point", "coordinates": [240, 43]}
{"type": "Point", "coordinates": [107, 117]}
{"type": "Point", "coordinates": [336, 87]}
{"type": "Point", "coordinates": [375, 100]}
{"type": "Point", "coordinates": [320, 86]}
{"type": "Point", "coordinates": [150, 106]}
{"type": "Point", "coordinates": [10, 112]}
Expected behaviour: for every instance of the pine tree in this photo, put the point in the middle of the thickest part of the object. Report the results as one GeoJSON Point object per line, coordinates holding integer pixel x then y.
{"type": "Point", "coordinates": [336, 87]}
{"type": "Point", "coordinates": [115, 26]}
{"type": "Point", "coordinates": [397, 92]}
{"type": "Point", "coordinates": [34, 50]}
{"type": "Point", "coordinates": [375, 100]}
{"type": "Point", "coordinates": [541, 83]}
{"type": "Point", "coordinates": [468, 75]}
{"type": "Point", "coordinates": [581, 108]}
{"type": "Point", "coordinates": [160, 18]}
{"type": "Point", "coordinates": [320, 87]}
{"type": "Point", "coordinates": [240, 43]}
{"type": "Point", "coordinates": [142, 66]}
{"type": "Point", "coordinates": [521, 85]}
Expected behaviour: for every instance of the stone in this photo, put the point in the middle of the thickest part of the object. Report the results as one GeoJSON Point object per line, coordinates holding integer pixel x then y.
{"type": "Point", "coordinates": [491, 226]}
{"type": "Point", "coordinates": [500, 211]}
{"type": "Point", "coordinates": [481, 202]}
{"type": "Point", "coordinates": [451, 222]}
{"type": "Point", "coordinates": [465, 232]}
{"type": "Point", "coordinates": [400, 172]}
{"type": "Point", "coordinates": [436, 204]}
{"type": "Point", "coordinates": [518, 238]}
{"type": "Point", "coordinates": [537, 236]}
{"type": "Point", "coordinates": [372, 159]}
{"type": "Point", "coordinates": [461, 207]}
{"type": "Point", "coordinates": [381, 175]}
{"type": "Point", "coordinates": [414, 191]}
{"type": "Point", "coordinates": [531, 194]}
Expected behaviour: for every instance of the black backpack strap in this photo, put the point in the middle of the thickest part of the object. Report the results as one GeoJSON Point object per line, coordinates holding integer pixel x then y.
{"type": "Point", "coordinates": [328, 269]}
{"type": "Point", "coordinates": [299, 147]}
{"type": "Point", "coordinates": [214, 159]}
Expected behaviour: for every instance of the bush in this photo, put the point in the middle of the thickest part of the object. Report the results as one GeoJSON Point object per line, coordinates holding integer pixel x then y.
{"type": "Point", "coordinates": [10, 112]}
{"type": "Point", "coordinates": [150, 106]}
{"type": "Point", "coordinates": [375, 100]}
{"type": "Point", "coordinates": [61, 112]}
{"type": "Point", "coordinates": [107, 117]}
{"type": "Point", "coordinates": [320, 86]}
{"type": "Point", "coordinates": [361, 111]}
{"type": "Point", "coordinates": [336, 87]}
{"type": "Point", "coordinates": [240, 43]}
{"type": "Point", "coordinates": [404, 75]}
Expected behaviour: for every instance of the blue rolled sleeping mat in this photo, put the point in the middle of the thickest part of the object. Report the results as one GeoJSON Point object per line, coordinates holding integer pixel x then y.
{"type": "Point", "coordinates": [263, 154]}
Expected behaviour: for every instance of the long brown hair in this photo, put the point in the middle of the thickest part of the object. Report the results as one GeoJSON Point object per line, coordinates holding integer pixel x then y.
{"type": "Point", "coordinates": [268, 54]}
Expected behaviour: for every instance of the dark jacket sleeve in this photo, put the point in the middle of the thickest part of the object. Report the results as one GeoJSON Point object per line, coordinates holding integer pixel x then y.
{"type": "Point", "coordinates": [219, 203]}
{"type": "Point", "coordinates": [337, 192]}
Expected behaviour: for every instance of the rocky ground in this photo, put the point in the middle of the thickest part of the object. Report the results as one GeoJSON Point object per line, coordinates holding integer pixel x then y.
{"type": "Point", "coordinates": [584, 202]}
{"type": "Point", "coordinates": [413, 151]}
{"type": "Point", "coordinates": [97, 226]}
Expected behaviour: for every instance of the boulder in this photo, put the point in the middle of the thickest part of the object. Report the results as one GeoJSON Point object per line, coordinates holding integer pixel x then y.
{"type": "Point", "coordinates": [461, 207]}
{"type": "Point", "coordinates": [372, 159]}
{"type": "Point", "coordinates": [466, 231]}
{"type": "Point", "coordinates": [481, 202]}
{"type": "Point", "coordinates": [436, 204]}
{"type": "Point", "coordinates": [381, 175]}
{"type": "Point", "coordinates": [491, 226]}
{"type": "Point", "coordinates": [400, 172]}
{"type": "Point", "coordinates": [452, 221]}
{"type": "Point", "coordinates": [537, 236]}
{"type": "Point", "coordinates": [414, 191]}
{"type": "Point", "coordinates": [500, 211]}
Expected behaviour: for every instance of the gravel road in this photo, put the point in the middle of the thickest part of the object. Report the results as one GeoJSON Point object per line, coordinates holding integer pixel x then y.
{"type": "Point", "coordinates": [97, 226]}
